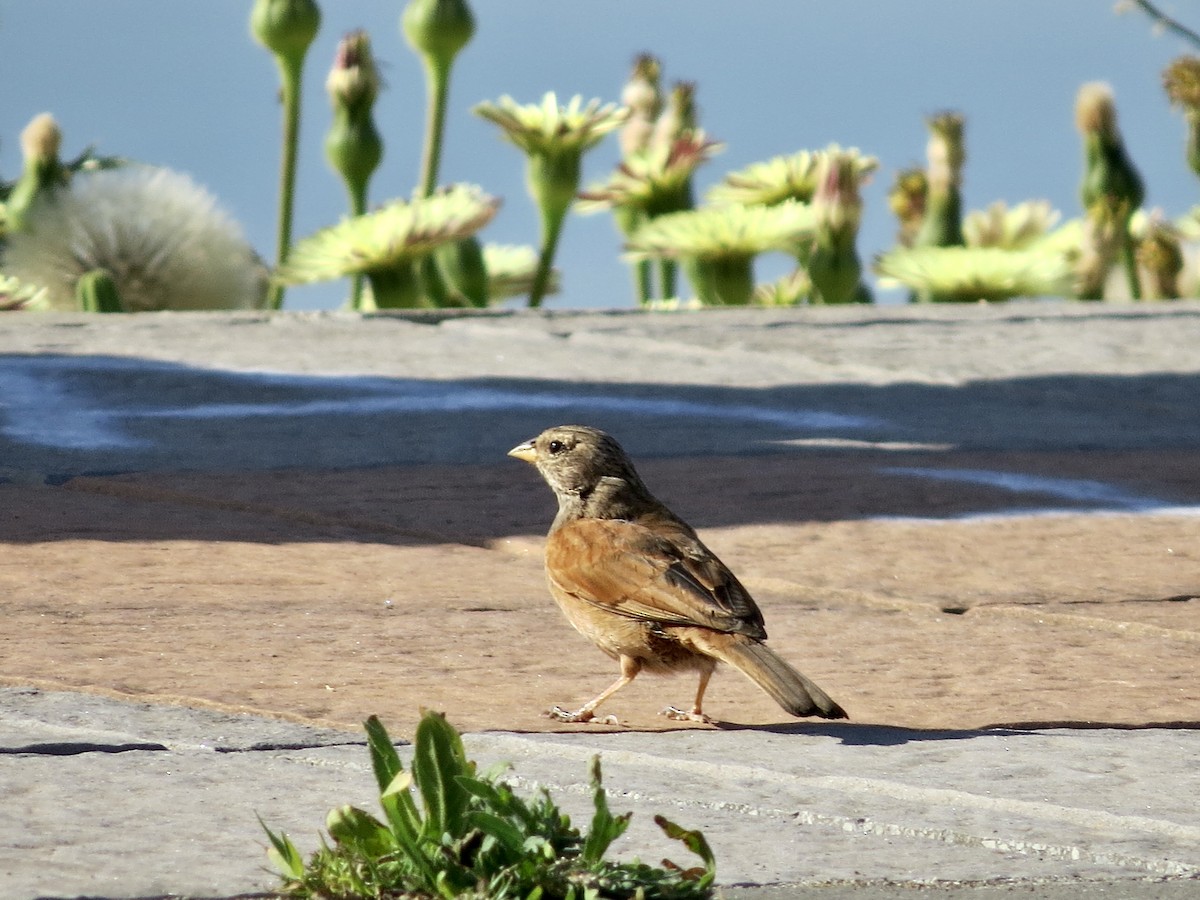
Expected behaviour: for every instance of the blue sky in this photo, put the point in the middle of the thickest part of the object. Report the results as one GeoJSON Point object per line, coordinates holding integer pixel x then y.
{"type": "Point", "coordinates": [183, 85]}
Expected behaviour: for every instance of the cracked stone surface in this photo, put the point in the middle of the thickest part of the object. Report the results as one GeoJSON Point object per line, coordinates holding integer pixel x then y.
{"type": "Point", "coordinates": [161, 800]}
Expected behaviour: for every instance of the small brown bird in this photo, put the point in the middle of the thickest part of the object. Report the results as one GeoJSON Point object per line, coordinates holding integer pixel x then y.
{"type": "Point", "coordinates": [634, 579]}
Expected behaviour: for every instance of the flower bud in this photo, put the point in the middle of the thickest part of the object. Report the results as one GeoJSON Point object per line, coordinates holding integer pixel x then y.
{"type": "Point", "coordinates": [833, 266]}
{"type": "Point", "coordinates": [285, 27]}
{"type": "Point", "coordinates": [945, 152]}
{"type": "Point", "coordinates": [837, 204]}
{"type": "Point", "coordinates": [353, 145]}
{"type": "Point", "coordinates": [42, 171]}
{"type": "Point", "coordinates": [41, 140]}
{"type": "Point", "coordinates": [679, 116]}
{"type": "Point", "coordinates": [438, 29]}
{"type": "Point", "coordinates": [942, 224]}
{"type": "Point", "coordinates": [643, 96]}
{"type": "Point", "coordinates": [1110, 178]}
{"type": "Point", "coordinates": [353, 82]}
{"type": "Point", "coordinates": [1161, 260]}
{"type": "Point", "coordinates": [1182, 83]}
{"type": "Point", "coordinates": [906, 199]}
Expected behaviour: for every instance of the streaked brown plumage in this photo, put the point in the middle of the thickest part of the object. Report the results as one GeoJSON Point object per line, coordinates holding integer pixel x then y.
{"type": "Point", "coordinates": [634, 578]}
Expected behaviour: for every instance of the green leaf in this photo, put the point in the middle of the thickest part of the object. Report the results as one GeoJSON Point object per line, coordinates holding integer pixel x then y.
{"type": "Point", "coordinates": [351, 826]}
{"type": "Point", "coordinates": [401, 809]}
{"type": "Point", "coordinates": [283, 854]}
{"type": "Point", "coordinates": [507, 834]}
{"type": "Point", "coordinates": [499, 799]}
{"type": "Point", "coordinates": [439, 761]}
{"type": "Point", "coordinates": [695, 842]}
{"type": "Point", "coordinates": [606, 827]}
{"type": "Point", "coordinates": [384, 759]}
{"type": "Point", "coordinates": [405, 823]}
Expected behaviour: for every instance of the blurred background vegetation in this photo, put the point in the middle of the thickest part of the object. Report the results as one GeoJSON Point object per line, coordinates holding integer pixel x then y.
{"type": "Point", "coordinates": [1041, 136]}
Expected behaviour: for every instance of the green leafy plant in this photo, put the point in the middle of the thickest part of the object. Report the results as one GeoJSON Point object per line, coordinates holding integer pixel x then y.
{"type": "Point", "coordinates": [472, 836]}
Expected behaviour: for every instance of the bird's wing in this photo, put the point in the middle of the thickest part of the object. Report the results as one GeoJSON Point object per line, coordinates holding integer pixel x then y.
{"type": "Point", "coordinates": [659, 572]}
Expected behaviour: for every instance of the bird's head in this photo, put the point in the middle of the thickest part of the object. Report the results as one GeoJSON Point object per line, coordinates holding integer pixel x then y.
{"type": "Point", "coordinates": [587, 470]}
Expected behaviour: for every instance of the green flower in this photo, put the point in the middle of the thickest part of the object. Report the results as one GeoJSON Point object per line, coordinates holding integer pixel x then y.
{"type": "Point", "coordinates": [784, 178]}
{"type": "Point", "coordinates": [385, 243]}
{"type": "Point", "coordinates": [715, 231]}
{"type": "Point", "coordinates": [792, 289]}
{"type": "Point", "coordinates": [651, 180]}
{"type": "Point", "coordinates": [969, 274]}
{"type": "Point", "coordinates": [554, 139]}
{"type": "Point", "coordinates": [16, 295]}
{"type": "Point", "coordinates": [1017, 228]}
{"type": "Point", "coordinates": [718, 244]}
{"type": "Point", "coordinates": [547, 129]}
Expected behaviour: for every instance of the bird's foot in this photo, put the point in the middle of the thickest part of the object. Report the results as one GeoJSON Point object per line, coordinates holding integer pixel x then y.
{"type": "Point", "coordinates": [679, 715]}
{"type": "Point", "coordinates": [582, 715]}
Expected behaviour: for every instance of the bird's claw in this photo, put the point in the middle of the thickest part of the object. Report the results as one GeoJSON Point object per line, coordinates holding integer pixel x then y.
{"type": "Point", "coordinates": [583, 715]}
{"type": "Point", "coordinates": [678, 715]}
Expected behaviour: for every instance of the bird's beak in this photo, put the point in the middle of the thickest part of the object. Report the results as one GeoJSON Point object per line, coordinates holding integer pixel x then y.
{"type": "Point", "coordinates": [525, 451]}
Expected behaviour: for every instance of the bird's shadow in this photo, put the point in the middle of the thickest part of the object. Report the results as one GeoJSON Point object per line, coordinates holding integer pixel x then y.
{"type": "Point", "coordinates": [855, 734]}
{"type": "Point", "coordinates": [867, 734]}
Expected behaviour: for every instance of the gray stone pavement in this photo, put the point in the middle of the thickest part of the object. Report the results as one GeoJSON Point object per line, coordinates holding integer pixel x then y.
{"type": "Point", "coordinates": [117, 799]}
{"type": "Point", "coordinates": [106, 798]}
{"type": "Point", "coordinates": [246, 391]}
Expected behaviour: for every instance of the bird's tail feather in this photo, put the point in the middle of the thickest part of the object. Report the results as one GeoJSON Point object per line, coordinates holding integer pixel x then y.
{"type": "Point", "coordinates": [792, 690]}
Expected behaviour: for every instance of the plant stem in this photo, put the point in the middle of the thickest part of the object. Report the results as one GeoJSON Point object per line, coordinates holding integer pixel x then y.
{"type": "Point", "coordinates": [668, 278]}
{"type": "Point", "coordinates": [641, 281]}
{"type": "Point", "coordinates": [1129, 260]}
{"type": "Point", "coordinates": [438, 89]}
{"type": "Point", "coordinates": [722, 281]}
{"type": "Point", "coordinates": [628, 221]}
{"type": "Point", "coordinates": [553, 181]}
{"type": "Point", "coordinates": [358, 206]}
{"type": "Point", "coordinates": [1167, 22]}
{"type": "Point", "coordinates": [290, 76]}
{"type": "Point", "coordinates": [437, 77]}
{"type": "Point", "coordinates": [552, 225]}
{"type": "Point", "coordinates": [395, 288]}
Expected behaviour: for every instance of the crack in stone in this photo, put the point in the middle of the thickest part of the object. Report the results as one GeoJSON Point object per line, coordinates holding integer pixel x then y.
{"type": "Point", "coordinates": [75, 748]}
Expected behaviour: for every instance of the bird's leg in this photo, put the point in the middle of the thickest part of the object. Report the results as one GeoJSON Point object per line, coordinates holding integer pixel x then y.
{"type": "Point", "coordinates": [587, 713]}
{"type": "Point", "coordinates": [697, 713]}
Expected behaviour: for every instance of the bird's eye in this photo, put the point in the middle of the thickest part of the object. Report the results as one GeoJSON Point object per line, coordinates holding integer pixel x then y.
{"type": "Point", "coordinates": [555, 447]}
